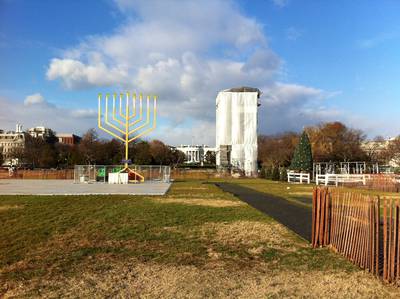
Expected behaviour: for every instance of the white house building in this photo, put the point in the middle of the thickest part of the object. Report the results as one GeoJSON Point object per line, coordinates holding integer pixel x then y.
{"type": "Point", "coordinates": [195, 153]}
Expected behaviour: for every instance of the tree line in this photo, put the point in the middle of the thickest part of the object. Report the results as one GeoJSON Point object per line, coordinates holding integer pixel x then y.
{"type": "Point", "coordinates": [330, 142]}
{"type": "Point", "coordinates": [48, 153]}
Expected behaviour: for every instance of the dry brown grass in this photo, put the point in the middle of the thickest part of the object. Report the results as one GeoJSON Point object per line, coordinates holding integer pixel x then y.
{"type": "Point", "coordinates": [253, 235]}
{"type": "Point", "coordinates": [139, 280]}
{"type": "Point", "coordinates": [9, 207]}
{"type": "Point", "coordinates": [190, 188]}
{"type": "Point", "coordinates": [200, 202]}
{"type": "Point", "coordinates": [245, 256]}
{"type": "Point", "coordinates": [134, 279]}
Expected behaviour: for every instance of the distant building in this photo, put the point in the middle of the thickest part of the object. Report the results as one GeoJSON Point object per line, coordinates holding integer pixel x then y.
{"type": "Point", "coordinates": [374, 148]}
{"type": "Point", "coordinates": [39, 131]}
{"type": "Point", "coordinates": [195, 153]}
{"type": "Point", "coordinates": [10, 142]}
{"type": "Point", "coordinates": [68, 138]}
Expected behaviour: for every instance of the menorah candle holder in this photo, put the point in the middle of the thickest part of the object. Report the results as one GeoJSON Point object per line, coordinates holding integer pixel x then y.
{"type": "Point", "coordinates": [126, 121]}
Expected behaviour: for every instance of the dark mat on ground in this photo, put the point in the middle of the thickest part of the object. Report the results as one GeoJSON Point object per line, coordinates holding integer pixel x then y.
{"type": "Point", "coordinates": [295, 217]}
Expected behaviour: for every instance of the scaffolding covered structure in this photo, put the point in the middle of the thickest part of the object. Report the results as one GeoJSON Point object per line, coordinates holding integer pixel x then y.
{"type": "Point", "coordinates": [236, 129]}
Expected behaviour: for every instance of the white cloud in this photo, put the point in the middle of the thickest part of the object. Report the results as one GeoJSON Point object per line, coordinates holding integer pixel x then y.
{"type": "Point", "coordinates": [290, 107]}
{"type": "Point", "coordinates": [76, 75]}
{"type": "Point", "coordinates": [35, 110]}
{"type": "Point", "coordinates": [34, 99]}
{"type": "Point", "coordinates": [84, 113]}
{"type": "Point", "coordinates": [377, 40]}
{"type": "Point", "coordinates": [280, 3]}
{"type": "Point", "coordinates": [160, 33]}
{"type": "Point", "coordinates": [185, 52]}
{"type": "Point", "coordinates": [293, 33]}
{"type": "Point", "coordinates": [173, 49]}
{"type": "Point", "coordinates": [291, 94]}
{"type": "Point", "coordinates": [200, 132]}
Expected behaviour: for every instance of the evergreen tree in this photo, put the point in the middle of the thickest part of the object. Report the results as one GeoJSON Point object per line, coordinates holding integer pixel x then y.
{"type": "Point", "coordinates": [302, 158]}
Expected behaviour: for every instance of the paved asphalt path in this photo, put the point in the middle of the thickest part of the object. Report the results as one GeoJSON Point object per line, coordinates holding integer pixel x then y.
{"type": "Point", "coordinates": [295, 217]}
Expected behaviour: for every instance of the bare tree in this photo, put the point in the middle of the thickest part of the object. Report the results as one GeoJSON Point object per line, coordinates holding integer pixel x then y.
{"type": "Point", "coordinates": [1, 156]}
{"type": "Point", "coordinates": [336, 142]}
{"type": "Point", "coordinates": [277, 150]}
{"type": "Point", "coordinates": [89, 146]}
{"type": "Point", "coordinates": [210, 158]}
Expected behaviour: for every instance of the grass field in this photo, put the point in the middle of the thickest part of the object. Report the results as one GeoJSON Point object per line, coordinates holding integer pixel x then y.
{"type": "Point", "coordinates": [297, 193]}
{"type": "Point", "coordinates": [197, 241]}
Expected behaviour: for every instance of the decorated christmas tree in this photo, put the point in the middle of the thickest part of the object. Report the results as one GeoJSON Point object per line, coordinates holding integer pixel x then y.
{"type": "Point", "coordinates": [302, 158]}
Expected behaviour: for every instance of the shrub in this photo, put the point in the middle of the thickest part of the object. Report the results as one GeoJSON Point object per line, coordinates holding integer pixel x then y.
{"type": "Point", "coordinates": [268, 172]}
{"type": "Point", "coordinates": [262, 173]}
{"type": "Point", "coordinates": [283, 174]}
{"type": "Point", "coordinates": [275, 173]}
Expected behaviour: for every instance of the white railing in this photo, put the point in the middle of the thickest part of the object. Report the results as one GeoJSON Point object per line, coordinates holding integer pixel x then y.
{"type": "Point", "coordinates": [294, 177]}
{"type": "Point", "coordinates": [335, 179]}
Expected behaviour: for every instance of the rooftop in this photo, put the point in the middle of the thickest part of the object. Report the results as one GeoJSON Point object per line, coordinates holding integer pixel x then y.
{"type": "Point", "coordinates": [244, 89]}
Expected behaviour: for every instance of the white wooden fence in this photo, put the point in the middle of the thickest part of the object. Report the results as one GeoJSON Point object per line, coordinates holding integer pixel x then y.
{"type": "Point", "coordinates": [294, 177]}
{"type": "Point", "coordinates": [335, 179]}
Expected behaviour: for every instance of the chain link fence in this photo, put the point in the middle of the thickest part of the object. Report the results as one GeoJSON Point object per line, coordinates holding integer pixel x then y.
{"type": "Point", "coordinates": [99, 173]}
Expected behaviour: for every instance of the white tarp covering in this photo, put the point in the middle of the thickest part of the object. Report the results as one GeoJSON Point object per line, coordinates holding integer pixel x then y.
{"type": "Point", "coordinates": [236, 126]}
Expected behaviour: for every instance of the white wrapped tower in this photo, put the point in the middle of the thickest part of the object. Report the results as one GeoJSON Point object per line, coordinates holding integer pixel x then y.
{"type": "Point", "coordinates": [236, 129]}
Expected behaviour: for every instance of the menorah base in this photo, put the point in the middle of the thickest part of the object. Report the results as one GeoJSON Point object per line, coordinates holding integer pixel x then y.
{"type": "Point", "coordinates": [133, 176]}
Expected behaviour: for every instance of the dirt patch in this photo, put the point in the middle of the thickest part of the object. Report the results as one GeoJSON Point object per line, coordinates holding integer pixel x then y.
{"type": "Point", "coordinates": [218, 203]}
{"type": "Point", "coordinates": [9, 207]}
{"type": "Point", "coordinates": [164, 281]}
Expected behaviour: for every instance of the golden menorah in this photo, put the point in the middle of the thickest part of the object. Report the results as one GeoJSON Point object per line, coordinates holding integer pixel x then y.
{"type": "Point", "coordinates": [125, 122]}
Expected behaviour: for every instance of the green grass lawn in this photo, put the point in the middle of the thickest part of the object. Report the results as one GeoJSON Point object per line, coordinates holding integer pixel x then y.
{"type": "Point", "coordinates": [196, 241]}
{"type": "Point", "coordinates": [296, 193]}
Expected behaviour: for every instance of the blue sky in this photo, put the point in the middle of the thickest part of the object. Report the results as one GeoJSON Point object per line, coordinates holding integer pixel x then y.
{"type": "Point", "coordinates": [314, 60]}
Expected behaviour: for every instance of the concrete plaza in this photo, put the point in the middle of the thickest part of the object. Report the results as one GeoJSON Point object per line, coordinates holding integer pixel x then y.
{"type": "Point", "coordinates": [68, 187]}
